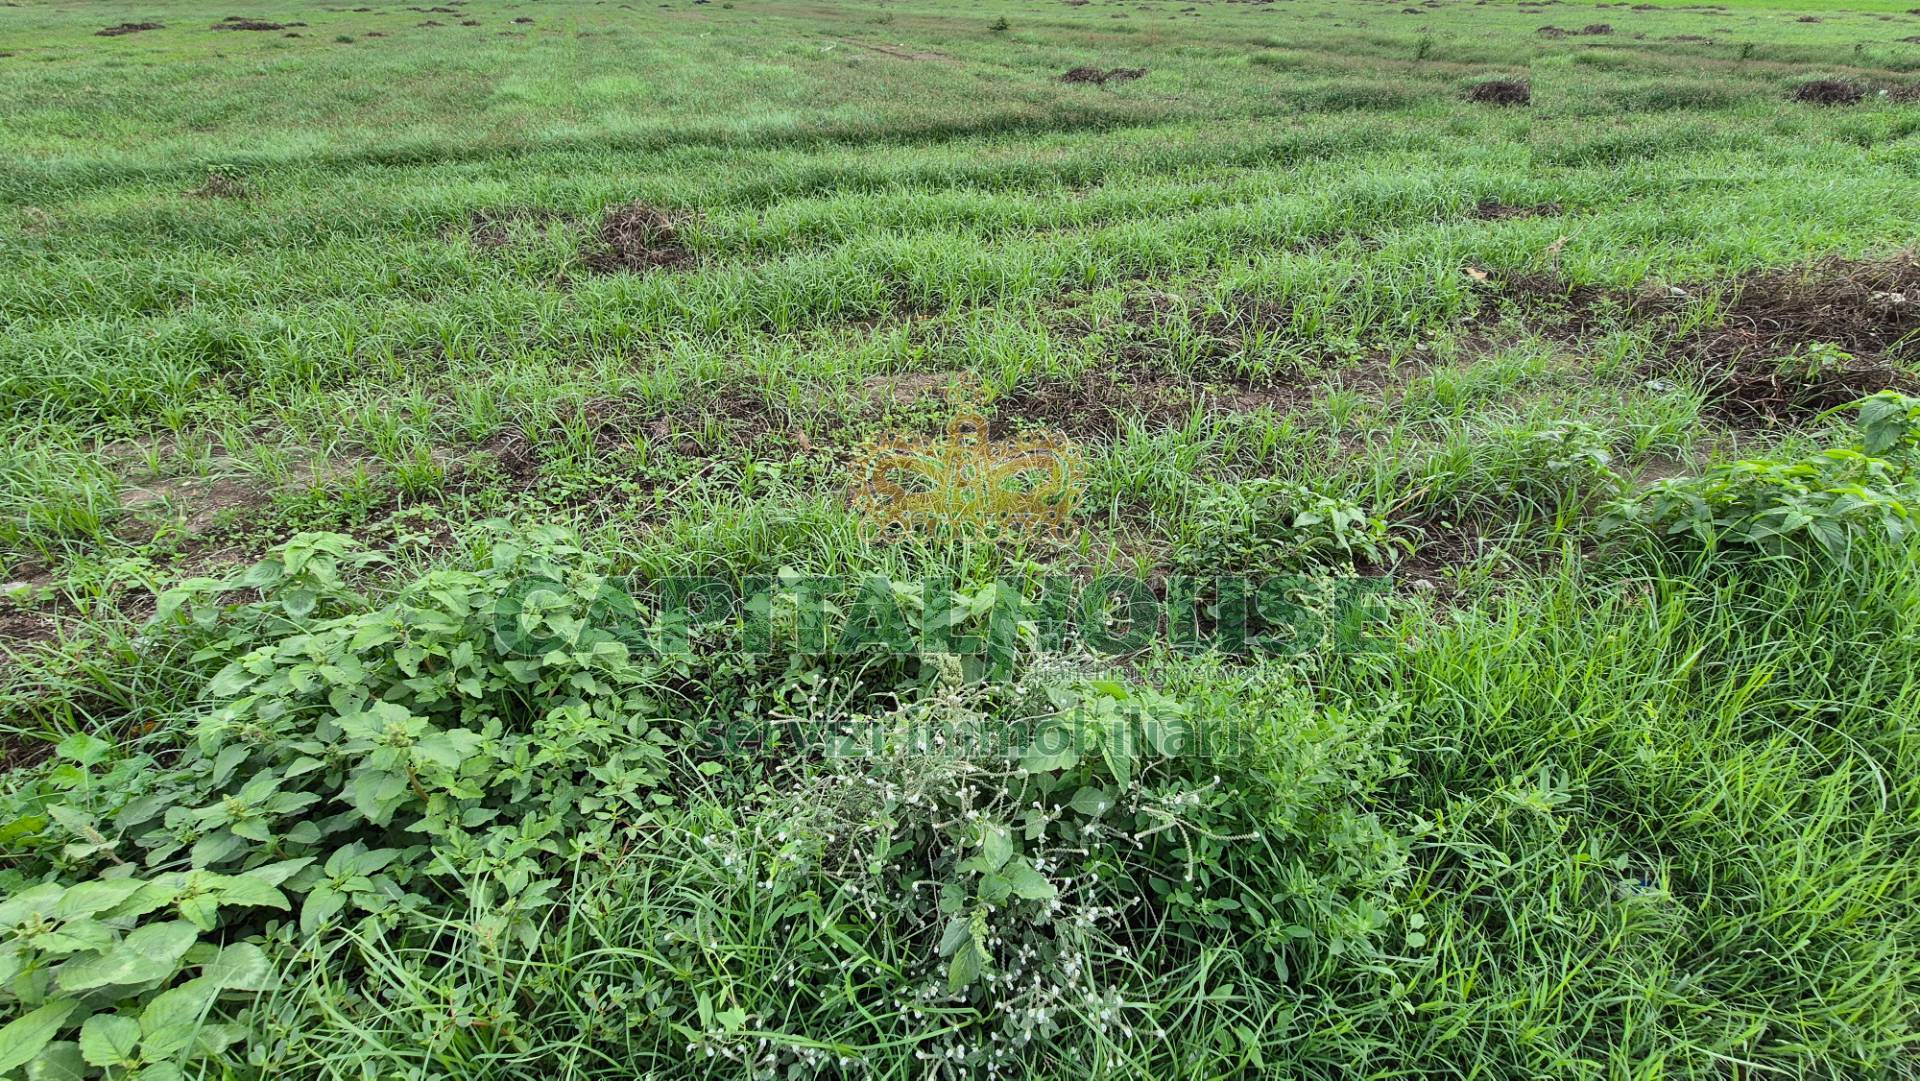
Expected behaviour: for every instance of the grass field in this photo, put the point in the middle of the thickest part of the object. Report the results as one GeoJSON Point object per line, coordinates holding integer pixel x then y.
{"type": "Point", "coordinates": [1542, 369]}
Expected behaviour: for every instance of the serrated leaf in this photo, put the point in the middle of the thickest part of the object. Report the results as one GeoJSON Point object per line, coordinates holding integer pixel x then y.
{"type": "Point", "coordinates": [242, 966]}
{"type": "Point", "coordinates": [1027, 882]}
{"type": "Point", "coordinates": [107, 1039]}
{"type": "Point", "coordinates": [147, 953]}
{"type": "Point", "coordinates": [58, 1061]}
{"type": "Point", "coordinates": [1091, 800]}
{"type": "Point", "coordinates": [184, 1005]}
{"type": "Point", "coordinates": [996, 846]}
{"type": "Point", "coordinates": [26, 1036]}
{"type": "Point", "coordinates": [88, 898]}
{"type": "Point", "coordinates": [964, 968]}
{"type": "Point", "coordinates": [83, 748]}
{"type": "Point", "coordinates": [245, 889]}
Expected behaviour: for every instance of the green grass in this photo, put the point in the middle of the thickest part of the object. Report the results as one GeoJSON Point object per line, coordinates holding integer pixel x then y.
{"type": "Point", "coordinates": [1623, 788]}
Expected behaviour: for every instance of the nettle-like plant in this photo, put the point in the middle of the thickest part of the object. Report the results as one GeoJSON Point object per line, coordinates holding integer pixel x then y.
{"type": "Point", "coordinates": [1266, 525]}
{"type": "Point", "coordinates": [1832, 501]}
{"type": "Point", "coordinates": [358, 763]}
{"type": "Point", "coordinates": [447, 760]}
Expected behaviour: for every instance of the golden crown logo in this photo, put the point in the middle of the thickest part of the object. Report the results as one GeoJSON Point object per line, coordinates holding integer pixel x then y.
{"type": "Point", "coordinates": [969, 478]}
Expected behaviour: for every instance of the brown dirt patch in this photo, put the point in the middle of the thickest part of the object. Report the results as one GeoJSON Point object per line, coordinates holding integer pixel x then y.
{"type": "Point", "coordinates": [1504, 92]}
{"type": "Point", "coordinates": [220, 184]}
{"type": "Point", "coordinates": [1596, 29]}
{"type": "Point", "coordinates": [635, 238]}
{"type": "Point", "coordinates": [1758, 361]}
{"type": "Point", "coordinates": [1829, 92]}
{"type": "Point", "coordinates": [234, 22]}
{"type": "Point", "coordinates": [492, 227]}
{"type": "Point", "coordinates": [1143, 383]}
{"type": "Point", "coordinates": [127, 28]}
{"type": "Point", "coordinates": [199, 503]}
{"type": "Point", "coordinates": [1100, 76]}
{"type": "Point", "coordinates": [1495, 210]}
{"type": "Point", "coordinates": [913, 388]}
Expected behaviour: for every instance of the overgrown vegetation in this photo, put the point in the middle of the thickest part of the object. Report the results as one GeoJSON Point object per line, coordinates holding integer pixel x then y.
{"type": "Point", "coordinates": [440, 639]}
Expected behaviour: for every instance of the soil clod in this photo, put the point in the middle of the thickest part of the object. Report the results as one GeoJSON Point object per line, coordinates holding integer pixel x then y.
{"type": "Point", "coordinates": [1504, 92]}
{"type": "Point", "coordinates": [1794, 343]}
{"type": "Point", "coordinates": [1101, 77]}
{"type": "Point", "coordinates": [1829, 92]}
{"type": "Point", "coordinates": [127, 28]}
{"type": "Point", "coordinates": [1495, 210]}
{"type": "Point", "coordinates": [635, 237]}
{"type": "Point", "coordinates": [234, 22]}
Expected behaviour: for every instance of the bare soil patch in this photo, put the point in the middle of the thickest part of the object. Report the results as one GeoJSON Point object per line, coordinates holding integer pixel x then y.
{"type": "Point", "coordinates": [1829, 92]}
{"type": "Point", "coordinates": [234, 22]}
{"type": "Point", "coordinates": [1760, 361]}
{"type": "Point", "coordinates": [1495, 210]}
{"type": "Point", "coordinates": [1143, 384]}
{"type": "Point", "coordinates": [1102, 76]}
{"type": "Point", "coordinates": [220, 184]}
{"type": "Point", "coordinates": [635, 238]}
{"type": "Point", "coordinates": [127, 28]}
{"type": "Point", "coordinates": [1503, 92]}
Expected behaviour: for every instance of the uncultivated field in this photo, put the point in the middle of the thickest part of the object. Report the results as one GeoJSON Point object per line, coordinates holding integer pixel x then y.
{"type": "Point", "coordinates": [1576, 338]}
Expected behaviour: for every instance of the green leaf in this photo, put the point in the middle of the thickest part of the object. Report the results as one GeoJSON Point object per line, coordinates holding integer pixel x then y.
{"type": "Point", "coordinates": [996, 846]}
{"type": "Point", "coordinates": [107, 1039]}
{"type": "Point", "coordinates": [240, 967]}
{"type": "Point", "coordinates": [246, 889]}
{"type": "Point", "coordinates": [959, 932]}
{"type": "Point", "coordinates": [148, 953]}
{"type": "Point", "coordinates": [181, 1006]}
{"type": "Point", "coordinates": [88, 898]}
{"type": "Point", "coordinates": [58, 1061]}
{"type": "Point", "coordinates": [27, 1036]}
{"type": "Point", "coordinates": [83, 748]}
{"type": "Point", "coordinates": [1029, 883]}
{"type": "Point", "coordinates": [320, 907]}
{"type": "Point", "coordinates": [965, 967]}
{"type": "Point", "coordinates": [1091, 800]}
{"type": "Point", "coordinates": [42, 899]}
{"type": "Point", "coordinates": [202, 910]}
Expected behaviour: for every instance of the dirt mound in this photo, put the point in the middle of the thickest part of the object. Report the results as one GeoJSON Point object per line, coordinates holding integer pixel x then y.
{"type": "Point", "coordinates": [635, 237]}
{"type": "Point", "coordinates": [1908, 93]}
{"type": "Point", "coordinates": [1495, 210]}
{"type": "Point", "coordinates": [127, 28]}
{"type": "Point", "coordinates": [221, 184]}
{"type": "Point", "coordinates": [1100, 77]}
{"type": "Point", "coordinates": [1829, 92]}
{"type": "Point", "coordinates": [234, 22]}
{"type": "Point", "coordinates": [1793, 343]}
{"type": "Point", "coordinates": [1506, 92]}
{"type": "Point", "coordinates": [1596, 29]}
